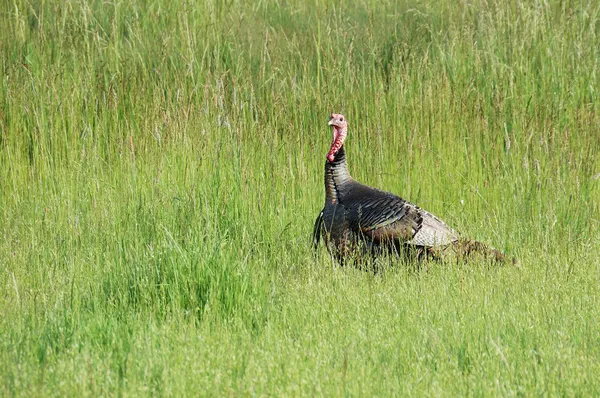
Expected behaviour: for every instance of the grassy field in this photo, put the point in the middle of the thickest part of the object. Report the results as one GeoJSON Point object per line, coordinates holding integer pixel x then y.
{"type": "Point", "coordinates": [161, 165]}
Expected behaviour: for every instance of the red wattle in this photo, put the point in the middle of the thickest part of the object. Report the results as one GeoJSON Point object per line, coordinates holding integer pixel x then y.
{"type": "Point", "coordinates": [335, 147]}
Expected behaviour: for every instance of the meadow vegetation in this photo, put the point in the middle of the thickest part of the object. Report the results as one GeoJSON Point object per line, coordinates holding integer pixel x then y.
{"type": "Point", "coordinates": [161, 165]}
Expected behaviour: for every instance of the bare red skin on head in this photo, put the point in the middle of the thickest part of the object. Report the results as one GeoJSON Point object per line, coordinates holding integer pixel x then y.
{"type": "Point", "coordinates": [336, 144]}
{"type": "Point", "coordinates": [340, 130]}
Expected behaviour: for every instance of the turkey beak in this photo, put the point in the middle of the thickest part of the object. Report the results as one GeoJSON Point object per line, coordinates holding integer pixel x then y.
{"type": "Point", "coordinates": [331, 122]}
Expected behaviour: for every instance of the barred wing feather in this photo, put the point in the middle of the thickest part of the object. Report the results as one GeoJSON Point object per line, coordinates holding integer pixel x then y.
{"type": "Point", "coordinates": [383, 216]}
{"type": "Point", "coordinates": [433, 232]}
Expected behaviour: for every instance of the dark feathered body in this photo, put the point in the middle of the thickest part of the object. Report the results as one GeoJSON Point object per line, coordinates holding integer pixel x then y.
{"type": "Point", "coordinates": [359, 220]}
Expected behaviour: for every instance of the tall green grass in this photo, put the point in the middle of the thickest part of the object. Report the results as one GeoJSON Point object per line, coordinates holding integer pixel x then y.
{"type": "Point", "coordinates": [161, 165]}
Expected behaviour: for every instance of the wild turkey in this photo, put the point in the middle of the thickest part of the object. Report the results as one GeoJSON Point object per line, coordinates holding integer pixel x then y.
{"type": "Point", "coordinates": [358, 220]}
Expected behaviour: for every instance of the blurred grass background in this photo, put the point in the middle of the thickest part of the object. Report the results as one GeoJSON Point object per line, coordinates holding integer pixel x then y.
{"type": "Point", "coordinates": [161, 165]}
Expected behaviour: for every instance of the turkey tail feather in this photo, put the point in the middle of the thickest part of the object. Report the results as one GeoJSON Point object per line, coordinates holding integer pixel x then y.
{"type": "Point", "coordinates": [466, 248]}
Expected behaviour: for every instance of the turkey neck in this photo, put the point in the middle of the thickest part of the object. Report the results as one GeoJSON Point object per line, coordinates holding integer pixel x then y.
{"type": "Point", "coordinates": [337, 177]}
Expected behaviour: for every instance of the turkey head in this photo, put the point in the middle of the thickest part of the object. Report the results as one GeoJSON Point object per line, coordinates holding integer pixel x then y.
{"type": "Point", "coordinates": [339, 127]}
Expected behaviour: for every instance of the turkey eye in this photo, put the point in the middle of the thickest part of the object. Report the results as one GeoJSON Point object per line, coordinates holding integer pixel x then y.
{"type": "Point", "coordinates": [341, 119]}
